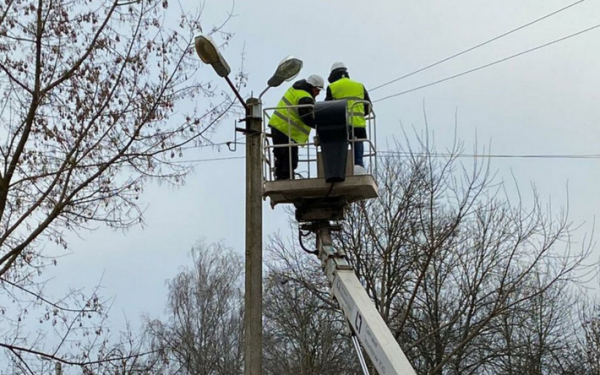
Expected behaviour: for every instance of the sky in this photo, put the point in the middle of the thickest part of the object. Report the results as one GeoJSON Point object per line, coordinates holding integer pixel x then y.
{"type": "Point", "coordinates": [541, 103]}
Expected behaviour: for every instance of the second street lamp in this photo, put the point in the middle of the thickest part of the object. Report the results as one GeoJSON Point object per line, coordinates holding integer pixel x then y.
{"type": "Point", "coordinates": [287, 69]}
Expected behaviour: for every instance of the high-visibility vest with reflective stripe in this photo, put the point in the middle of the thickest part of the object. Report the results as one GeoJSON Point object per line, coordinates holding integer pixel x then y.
{"type": "Point", "coordinates": [345, 88]}
{"type": "Point", "coordinates": [287, 120]}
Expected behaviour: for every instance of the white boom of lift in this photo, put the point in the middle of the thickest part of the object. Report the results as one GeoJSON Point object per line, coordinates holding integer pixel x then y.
{"type": "Point", "coordinates": [366, 323]}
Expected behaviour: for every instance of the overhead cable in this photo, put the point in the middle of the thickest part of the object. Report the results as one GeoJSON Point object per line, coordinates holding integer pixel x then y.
{"type": "Point", "coordinates": [477, 46]}
{"type": "Point", "coordinates": [436, 155]}
{"type": "Point", "coordinates": [521, 156]}
{"type": "Point", "coordinates": [205, 160]}
{"type": "Point", "coordinates": [488, 65]}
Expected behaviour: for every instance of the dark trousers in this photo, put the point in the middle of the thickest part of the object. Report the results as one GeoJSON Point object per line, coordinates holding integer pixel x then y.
{"type": "Point", "coordinates": [282, 156]}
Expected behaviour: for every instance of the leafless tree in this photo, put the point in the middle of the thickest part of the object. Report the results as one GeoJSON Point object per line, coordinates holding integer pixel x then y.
{"type": "Point", "coordinates": [303, 335]}
{"type": "Point", "coordinates": [534, 337]}
{"type": "Point", "coordinates": [125, 354]}
{"type": "Point", "coordinates": [450, 262]}
{"type": "Point", "coordinates": [591, 343]}
{"type": "Point", "coordinates": [584, 357]}
{"type": "Point", "coordinates": [97, 99]}
{"type": "Point", "coordinates": [203, 332]}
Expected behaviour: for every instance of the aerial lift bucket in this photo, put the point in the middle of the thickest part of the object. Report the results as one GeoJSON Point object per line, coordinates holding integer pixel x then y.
{"type": "Point", "coordinates": [331, 118]}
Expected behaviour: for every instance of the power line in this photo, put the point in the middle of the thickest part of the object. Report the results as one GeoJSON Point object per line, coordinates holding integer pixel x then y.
{"type": "Point", "coordinates": [520, 156]}
{"type": "Point", "coordinates": [210, 145]}
{"type": "Point", "coordinates": [488, 65]}
{"type": "Point", "coordinates": [477, 46]}
{"type": "Point", "coordinates": [206, 160]}
{"type": "Point", "coordinates": [435, 155]}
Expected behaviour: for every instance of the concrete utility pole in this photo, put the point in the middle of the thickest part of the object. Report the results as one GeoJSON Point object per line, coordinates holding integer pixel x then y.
{"type": "Point", "coordinates": [286, 70]}
{"type": "Point", "coordinates": [253, 335]}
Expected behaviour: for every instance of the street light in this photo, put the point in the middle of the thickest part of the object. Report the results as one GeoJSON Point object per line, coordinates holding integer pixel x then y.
{"type": "Point", "coordinates": [287, 69]}
{"type": "Point", "coordinates": [209, 54]}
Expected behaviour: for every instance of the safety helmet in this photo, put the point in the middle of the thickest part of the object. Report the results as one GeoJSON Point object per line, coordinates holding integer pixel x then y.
{"type": "Point", "coordinates": [338, 65]}
{"type": "Point", "coordinates": [316, 81]}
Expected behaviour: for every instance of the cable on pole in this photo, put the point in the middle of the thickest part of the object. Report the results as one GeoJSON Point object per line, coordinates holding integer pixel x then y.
{"type": "Point", "coordinates": [302, 235]}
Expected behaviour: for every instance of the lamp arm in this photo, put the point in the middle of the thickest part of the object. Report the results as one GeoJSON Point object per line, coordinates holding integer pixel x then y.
{"type": "Point", "coordinates": [237, 94]}
{"type": "Point", "coordinates": [264, 91]}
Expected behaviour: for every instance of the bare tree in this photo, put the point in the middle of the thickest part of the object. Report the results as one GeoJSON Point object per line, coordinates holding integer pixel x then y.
{"type": "Point", "coordinates": [97, 99]}
{"type": "Point", "coordinates": [591, 343]}
{"type": "Point", "coordinates": [203, 332]}
{"type": "Point", "coordinates": [74, 333]}
{"type": "Point", "coordinates": [125, 354]}
{"type": "Point", "coordinates": [447, 259]}
{"type": "Point", "coordinates": [303, 335]}
{"type": "Point", "coordinates": [90, 112]}
{"type": "Point", "coordinates": [584, 357]}
{"type": "Point", "coordinates": [535, 337]}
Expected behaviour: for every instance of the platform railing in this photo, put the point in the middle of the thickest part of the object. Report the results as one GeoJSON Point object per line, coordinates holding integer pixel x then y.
{"type": "Point", "coordinates": [307, 152]}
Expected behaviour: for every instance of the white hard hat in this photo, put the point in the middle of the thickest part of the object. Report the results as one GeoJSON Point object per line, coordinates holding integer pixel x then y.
{"type": "Point", "coordinates": [338, 65]}
{"type": "Point", "coordinates": [316, 81]}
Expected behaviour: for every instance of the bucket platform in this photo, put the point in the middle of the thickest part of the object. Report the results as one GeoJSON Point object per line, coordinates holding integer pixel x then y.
{"type": "Point", "coordinates": [355, 188]}
{"type": "Point", "coordinates": [326, 180]}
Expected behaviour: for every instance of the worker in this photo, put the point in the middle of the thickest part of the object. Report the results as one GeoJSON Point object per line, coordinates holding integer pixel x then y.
{"type": "Point", "coordinates": [342, 87]}
{"type": "Point", "coordinates": [292, 125]}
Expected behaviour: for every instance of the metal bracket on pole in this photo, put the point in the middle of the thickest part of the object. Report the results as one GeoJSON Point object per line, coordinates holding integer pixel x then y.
{"type": "Point", "coordinates": [247, 131]}
{"type": "Point", "coordinates": [234, 148]}
{"type": "Point", "coordinates": [253, 114]}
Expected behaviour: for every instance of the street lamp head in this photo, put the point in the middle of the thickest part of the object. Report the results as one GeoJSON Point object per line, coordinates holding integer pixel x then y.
{"type": "Point", "coordinates": [287, 69]}
{"type": "Point", "coordinates": [209, 54]}
{"type": "Point", "coordinates": [206, 49]}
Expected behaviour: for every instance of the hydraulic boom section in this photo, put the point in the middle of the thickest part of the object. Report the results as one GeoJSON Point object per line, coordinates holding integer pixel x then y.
{"type": "Point", "coordinates": [364, 319]}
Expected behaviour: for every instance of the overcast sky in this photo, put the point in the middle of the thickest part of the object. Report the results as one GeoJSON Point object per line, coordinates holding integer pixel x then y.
{"type": "Point", "coordinates": [543, 102]}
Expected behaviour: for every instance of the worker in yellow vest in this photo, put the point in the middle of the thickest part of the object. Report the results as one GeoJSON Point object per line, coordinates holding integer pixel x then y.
{"type": "Point", "coordinates": [290, 126]}
{"type": "Point", "coordinates": [342, 87]}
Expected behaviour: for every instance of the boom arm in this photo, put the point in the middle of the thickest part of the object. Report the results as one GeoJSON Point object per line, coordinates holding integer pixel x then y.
{"type": "Point", "coordinates": [365, 320]}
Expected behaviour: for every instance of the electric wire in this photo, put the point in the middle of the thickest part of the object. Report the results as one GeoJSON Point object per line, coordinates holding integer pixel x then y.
{"type": "Point", "coordinates": [488, 65]}
{"type": "Point", "coordinates": [493, 156]}
{"type": "Point", "coordinates": [435, 155]}
{"type": "Point", "coordinates": [477, 46]}
{"type": "Point", "coordinates": [300, 237]}
{"type": "Point", "coordinates": [209, 145]}
{"type": "Point", "coordinates": [206, 160]}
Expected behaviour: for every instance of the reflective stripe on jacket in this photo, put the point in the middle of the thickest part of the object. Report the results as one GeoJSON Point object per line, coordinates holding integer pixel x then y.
{"type": "Point", "coordinates": [287, 120]}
